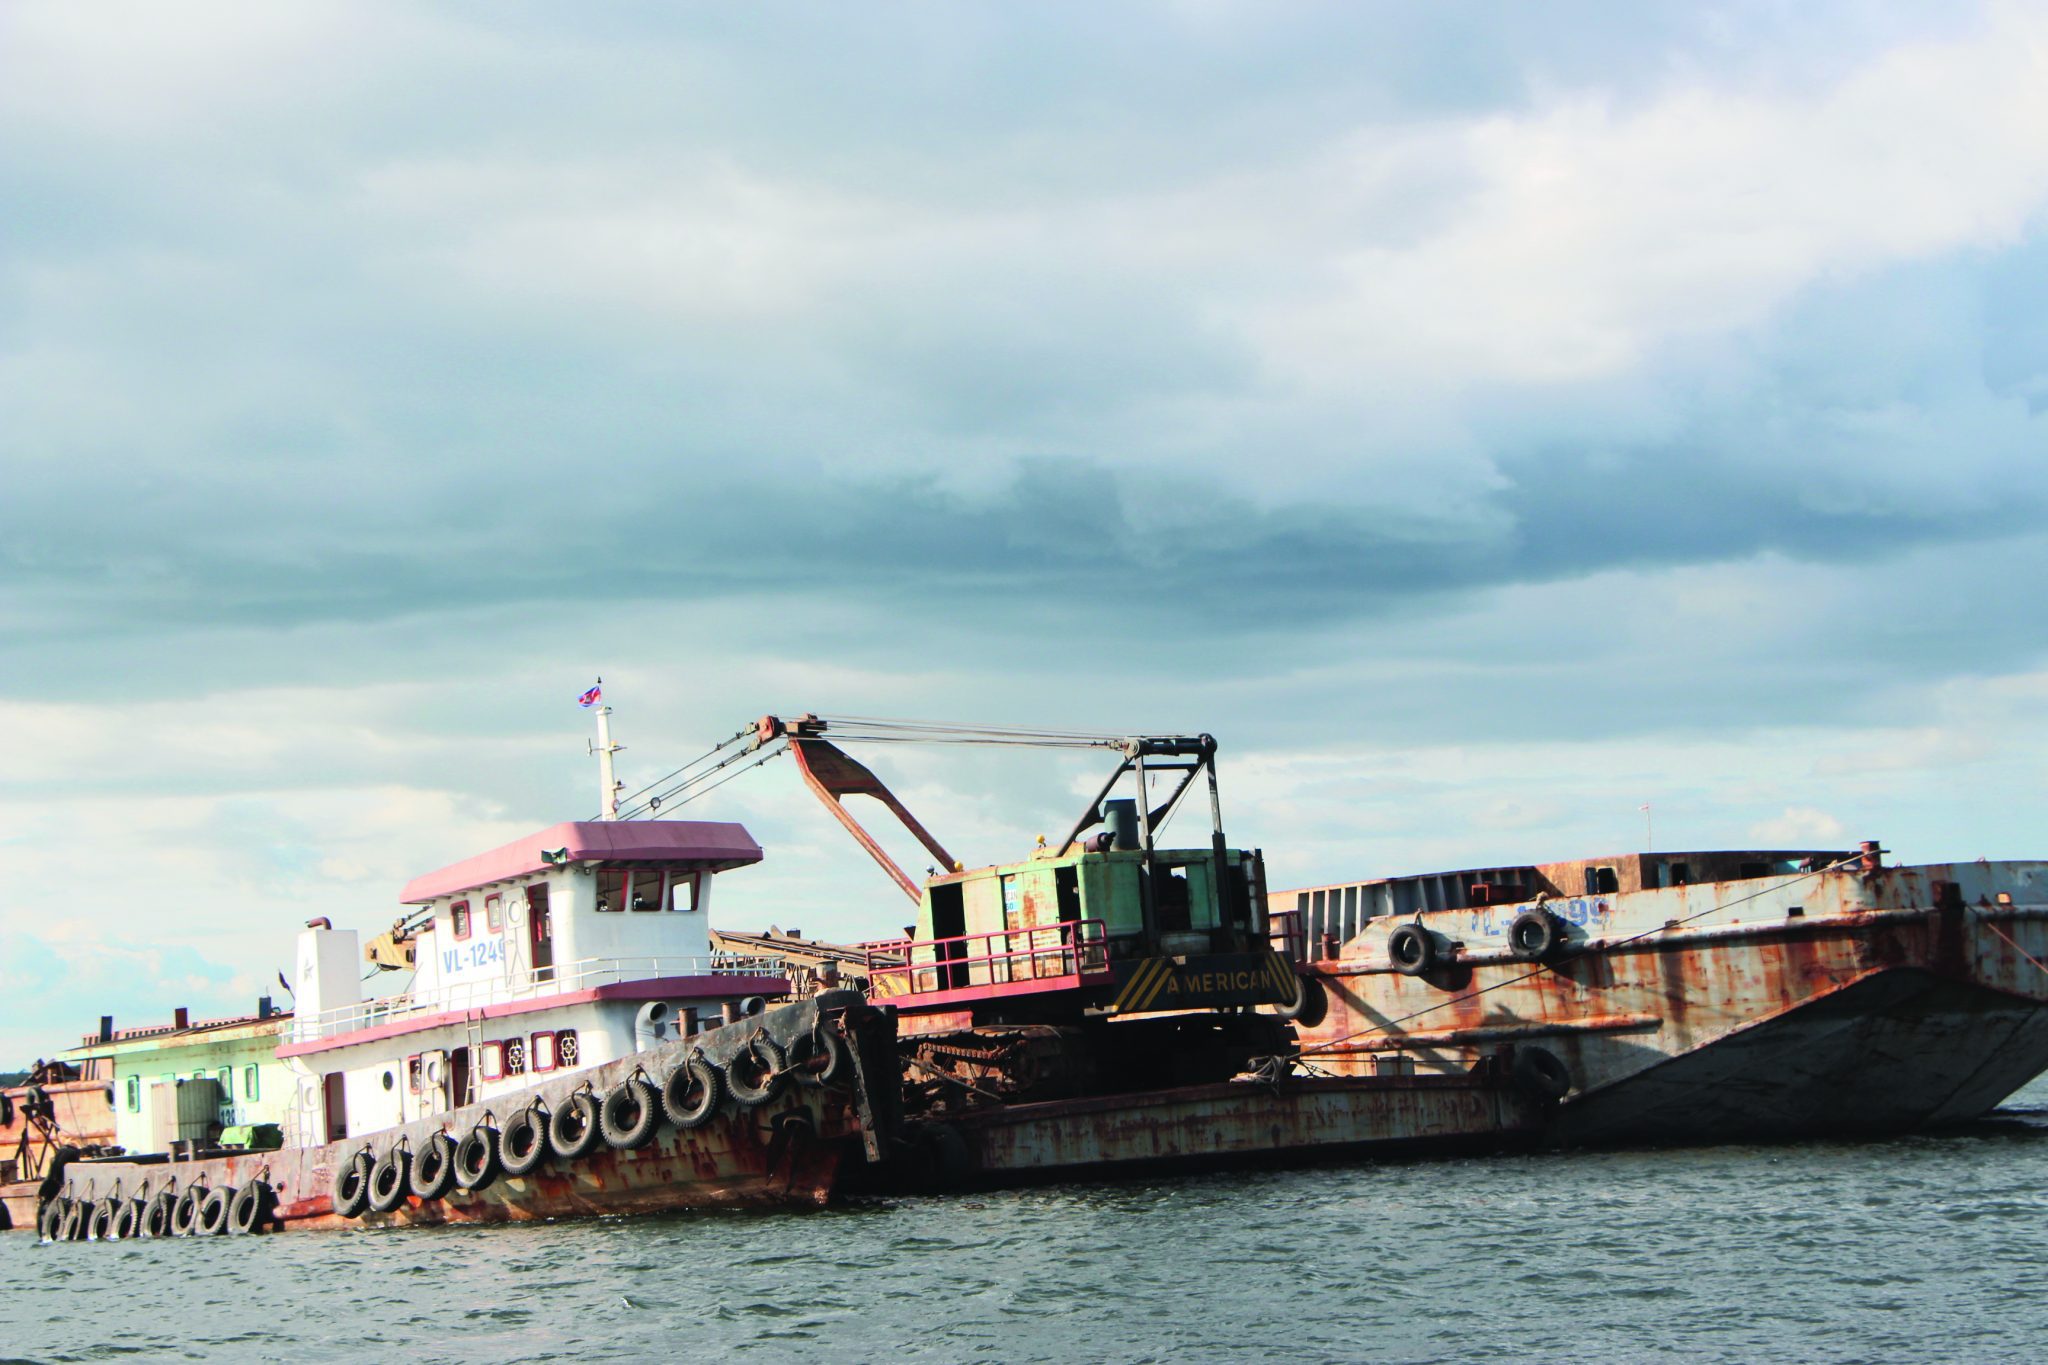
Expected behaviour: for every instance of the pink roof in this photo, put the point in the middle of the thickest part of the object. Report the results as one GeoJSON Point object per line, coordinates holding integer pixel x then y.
{"type": "Point", "coordinates": [713, 844]}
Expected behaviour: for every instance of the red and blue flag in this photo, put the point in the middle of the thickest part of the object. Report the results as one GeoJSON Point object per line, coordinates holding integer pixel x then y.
{"type": "Point", "coordinates": [592, 697]}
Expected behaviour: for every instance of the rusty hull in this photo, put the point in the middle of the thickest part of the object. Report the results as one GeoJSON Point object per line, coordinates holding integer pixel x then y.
{"type": "Point", "coordinates": [1857, 1001]}
{"type": "Point", "coordinates": [787, 1152]}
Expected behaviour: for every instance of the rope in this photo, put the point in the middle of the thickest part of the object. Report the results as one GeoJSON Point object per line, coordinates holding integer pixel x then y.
{"type": "Point", "coordinates": [1390, 1024]}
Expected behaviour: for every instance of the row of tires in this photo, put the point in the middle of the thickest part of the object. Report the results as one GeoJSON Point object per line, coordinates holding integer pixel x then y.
{"type": "Point", "coordinates": [195, 1211]}
{"type": "Point", "coordinates": [1535, 935]}
{"type": "Point", "coordinates": [624, 1118]}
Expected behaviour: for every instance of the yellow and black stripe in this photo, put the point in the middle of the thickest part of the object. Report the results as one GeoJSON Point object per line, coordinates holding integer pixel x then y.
{"type": "Point", "coordinates": [1144, 985]}
{"type": "Point", "coordinates": [1237, 979]}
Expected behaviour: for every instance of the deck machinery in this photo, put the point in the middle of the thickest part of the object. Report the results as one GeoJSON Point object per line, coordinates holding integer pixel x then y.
{"type": "Point", "coordinates": [1099, 960]}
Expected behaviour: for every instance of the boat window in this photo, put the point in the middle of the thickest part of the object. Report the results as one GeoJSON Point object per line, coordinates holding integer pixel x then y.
{"type": "Point", "coordinates": [459, 913]}
{"type": "Point", "coordinates": [566, 1049]}
{"type": "Point", "coordinates": [135, 1094]}
{"type": "Point", "coordinates": [1601, 881]}
{"type": "Point", "coordinates": [494, 1061]}
{"type": "Point", "coordinates": [1681, 874]}
{"type": "Point", "coordinates": [611, 890]}
{"type": "Point", "coordinates": [644, 891]}
{"type": "Point", "coordinates": [682, 892]}
{"type": "Point", "coordinates": [412, 1073]}
{"type": "Point", "coordinates": [494, 913]}
{"type": "Point", "coordinates": [544, 1051]}
{"type": "Point", "coordinates": [390, 1080]}
{"type": "Point", "coordinates": [249, 1091]}
{"type": "Point", "coordinates": [515, 1056]}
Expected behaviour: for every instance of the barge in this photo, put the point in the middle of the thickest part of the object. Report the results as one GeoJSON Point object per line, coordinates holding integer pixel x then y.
{"type": "Point", "coordinates": [1731, 995]}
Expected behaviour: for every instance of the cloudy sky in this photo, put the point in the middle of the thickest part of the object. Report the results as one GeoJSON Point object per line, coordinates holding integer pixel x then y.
{"type": "Point", "coordinates": [1484, 419]}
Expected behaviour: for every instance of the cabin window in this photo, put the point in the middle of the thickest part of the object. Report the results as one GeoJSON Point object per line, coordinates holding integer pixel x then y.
{"type": "Point", "coordinates": [494, 913]}
{"type": "Point", "coordinates": [682, 892]}
{"type": "Point", "coordinates": [544, 1051]}
{"type": "Point", "coordinates": [494, 1061]}
{"type": "Point", "coordinates": [412, 1073]}
{"type": "Point", "coordinates": [1681, 874]}
{"type": "Point", "coordinates": [226, 1077]}
{"type": "Point", "coordinates": [566, 1049]}
{"type": "Point", "coordinates": [459, 913]}
{"type": "Point", "coordinates": [515, 1056]}
{"type": "Point", "coordinates": [135, 1094]}
{"type": "Point", "coordinates": [1601, 881]}
{"type": "Point", "coordinates": [390, 1079]}
{"type": "Point", "coordinates": [249, 1091]}
{"type": "Point", "coordinates": [611, 890]}
{"type": "Point", "coordinates": [643, 891]}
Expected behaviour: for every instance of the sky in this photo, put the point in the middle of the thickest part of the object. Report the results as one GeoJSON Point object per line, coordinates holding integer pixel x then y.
{"type": "Point", "coordinates": [1486, 420]}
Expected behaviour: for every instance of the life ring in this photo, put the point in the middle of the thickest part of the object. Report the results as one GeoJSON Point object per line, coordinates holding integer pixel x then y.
{"type": "Point", "coordinates": [433, 1170]}
{"type": "Point", "coordinates": [1310, 1005]}
{"type": "Point", "coordinates": [212, 1219]}
{"type": "Point", "coordinates": [821, 1057]}
{"type": "Point", "coordinates": [387, 1180]}
{"type": "Point", "coordinates": [352, 1186]}
{"type": "Point", "coordinates": [524, 1143]}
{"type": "Point", "coordinates": [1535, 936]}
{"type": "Point", "coordinates": [127, 1221]}
{"type": "Point", "coordinates": [252, 1208]}
{"type": "Point", "coordinates": [630, 1113]}
{"type": "Point", "coordinates": [1411, 949]}
{"type": "Point", "coordinates": [50, 1223]}
{"type": "Point", "coordinates": [185, 1213]}
{"type": "Point", "coordinates": [156, 1214]}
{"type": "Point", "coordinates": [1539, 1074]}
{"type": "Point", "coordinates": [574, 1129]}
{"type": "Point", "coordinates": [756, 1074]}
{"type": "Point", "coordinates": [476, 1158]}
{"type": "Point", "coordinates": [691, 1094]}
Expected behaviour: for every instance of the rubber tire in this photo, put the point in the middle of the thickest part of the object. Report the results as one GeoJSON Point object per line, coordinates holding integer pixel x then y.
{"type": "Point", "coordinates": [127, 1223]}
{"type": "Point", "coordinates": [821, 1057]}
{"type": "Point", "coordinates": [73, 1228]}
{"type": "Point", "coordinates": [185, 1213]}
{"type": "Point", "coordinates": [476, 1158]}
{"type": "Point", "coordinates": [1411, 949]}
{"type": "Point", "coordinates": [1543, 932]}
{"type": "Point", "coordinates": [156, 1215]}
{"type": "Point", "coordinates": [99, 1217]}
{"type": "Point", "coordinates": [1539, 1074]}
{"type": "Point", "coordinates": [757, 1073]}
{"type": "Point", "coordinates": [1310, 1005]}
{"type": "Point", "coordinates": [635, 1097]}
{"type": "Point", "coordinates": [50, 1223]}
{"type": "Point", "coordinates": [433, 1169]}
{"type": "Point", "coordinates": [213, 1212]}
{"type": "Point", "coordinates": [691, 1095]}
{"type": "Point", "coordinates": [352, 1187]}
{"type": "Point", "coordinates": [387, 1180]}
{"type": "Point", "coordinates": [576, 1127]}
{"type": "Point", "coordinates": [528, 1124]}
{"type": "Point", "coordinates": [252, 1208]}
{"type": "Point", "coordinates": [6, 1110]}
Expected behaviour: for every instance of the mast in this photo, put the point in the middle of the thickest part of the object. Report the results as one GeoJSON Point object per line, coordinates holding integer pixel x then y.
{"type": "Point", "coordinates": [608, 785]}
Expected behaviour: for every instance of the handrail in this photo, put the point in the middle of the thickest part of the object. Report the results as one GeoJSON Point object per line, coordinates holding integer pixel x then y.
{"type": "Point", "coordinates": [560, 979]}
{"type": "Point", "coordinates": [916, 967]}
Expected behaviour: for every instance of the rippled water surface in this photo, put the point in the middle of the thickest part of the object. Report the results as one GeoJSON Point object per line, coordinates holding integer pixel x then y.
{"type": "Point", "coordinates": [1923, 1248]}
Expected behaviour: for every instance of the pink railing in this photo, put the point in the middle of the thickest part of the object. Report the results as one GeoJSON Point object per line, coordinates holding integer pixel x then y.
{"type": "Point", "coordinates": [976, 961]}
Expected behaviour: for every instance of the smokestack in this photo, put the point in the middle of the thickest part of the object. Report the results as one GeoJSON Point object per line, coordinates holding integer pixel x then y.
{"type": "Point", "coordinates": [264, 1009]}
{"type": "Point", "coordinates": [181, 1017]}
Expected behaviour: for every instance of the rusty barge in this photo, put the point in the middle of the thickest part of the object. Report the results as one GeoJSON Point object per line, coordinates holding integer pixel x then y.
{"type": "Point", "coordinates": [1693, 997]}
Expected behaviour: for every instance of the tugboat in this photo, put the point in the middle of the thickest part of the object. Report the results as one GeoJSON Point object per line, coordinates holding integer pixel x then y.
{"type": "Point", "coordinates": [1733, 995]}
{"type": "Point", "coordinates": [570, 1044]}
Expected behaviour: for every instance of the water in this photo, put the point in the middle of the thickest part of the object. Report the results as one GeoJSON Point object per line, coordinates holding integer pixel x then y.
{"type": "Point", "coordinates": [1921, 1248]}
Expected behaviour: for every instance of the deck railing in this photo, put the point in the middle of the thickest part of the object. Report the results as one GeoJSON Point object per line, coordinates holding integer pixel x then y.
{"type": "Point", "coordinates": [1003, 957]}
{"type": "Point", "coordinates": [559, 979]}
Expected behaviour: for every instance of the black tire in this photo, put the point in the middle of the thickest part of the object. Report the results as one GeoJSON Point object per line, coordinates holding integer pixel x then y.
{"type": "Point", "coordinates": [1535, 936]}
{"type": "Point", "coordinates": [352, 1187]}
{"type": "Point", "coordinates": [6, 1109]}
{"type": "Point", "coordinates": [127, 1222]}
{"type": "Point", "coordinates": [476, 1158]}
{"type": "Point", "coordinates": [156, 1215]}
{"type": "Point", "coordinates": [387, 1180]}
{"type": "Point", "coordinates": [692, 1093]}
{"type": "Point", "coordinates": [433, 1170]}
{"type": "Point", "coordinates": [252, 1208]}
{"type": "Point", "coordinates": [630, 1114]}
{"type": "Point", "coordinates": [185, 1213]}
{"type": "Point", "coordinates": [821, 1057]}
{"type": "Point", "coordinates": [575, 1128]}
{"type": "Point", "coordinates": [524, 1143]}
{"type": "Point", "coordinates": [1310, 1005]}
{"type": "Point", "coordinates": [99, 1219]}
{"type": "Point", "coordinates": [1411, 949]}
{"type": "Point", "coordinates": [1539, 1074]}
{"type": "Point", "coordinates": [73, 1227]}
{"type": "Point", "coordinates": [50, 1222]}
{"type": "Point", "coordinates": [757, 1072]}
{"type": "Point", "coordinates": [213, 1212]}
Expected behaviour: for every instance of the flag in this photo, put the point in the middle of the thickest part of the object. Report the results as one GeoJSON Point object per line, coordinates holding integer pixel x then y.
{"type": "Point", "coordinates": [592, 697]}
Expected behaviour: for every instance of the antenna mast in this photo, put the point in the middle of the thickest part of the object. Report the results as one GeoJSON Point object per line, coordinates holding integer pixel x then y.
{"type": "Point", "coordinates": [608, 785]}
